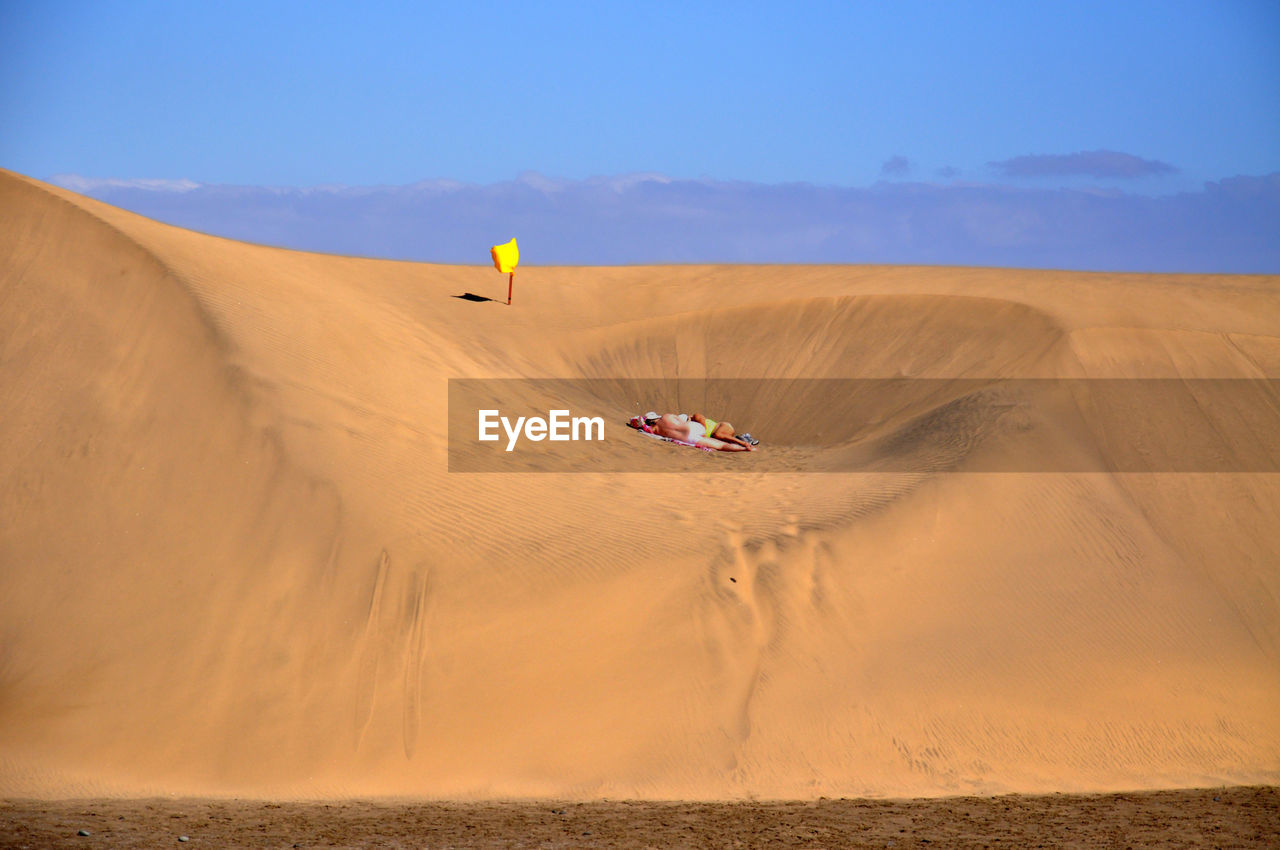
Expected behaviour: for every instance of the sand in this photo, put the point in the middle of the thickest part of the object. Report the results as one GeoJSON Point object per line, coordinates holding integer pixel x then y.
{"type": "Point", "coordinates": [234, 562]}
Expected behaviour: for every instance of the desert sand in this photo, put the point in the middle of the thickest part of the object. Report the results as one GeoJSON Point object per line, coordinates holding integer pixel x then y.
{"type": "Point", "coordinates": [234, 560]}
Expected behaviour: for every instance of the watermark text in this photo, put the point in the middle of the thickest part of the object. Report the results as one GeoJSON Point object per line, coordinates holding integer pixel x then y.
{"type": "Point", "coordinates": [559, 426]}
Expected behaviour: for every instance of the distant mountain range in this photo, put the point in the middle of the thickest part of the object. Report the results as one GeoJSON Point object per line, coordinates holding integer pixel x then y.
{"type": "Point", "coordinates": [1230, 226]}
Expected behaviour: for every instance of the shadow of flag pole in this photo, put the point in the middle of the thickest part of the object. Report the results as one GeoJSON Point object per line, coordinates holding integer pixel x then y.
{"type": "Point", "coordinates": [505, 258]}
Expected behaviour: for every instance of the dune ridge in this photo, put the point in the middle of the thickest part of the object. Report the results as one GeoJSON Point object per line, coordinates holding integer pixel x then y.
{"type": "Point", "coordinates": [233, 561]}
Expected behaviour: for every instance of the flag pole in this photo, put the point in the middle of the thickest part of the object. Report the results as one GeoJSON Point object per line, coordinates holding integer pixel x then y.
{"type": "Point", "coordinates": [511, 280]}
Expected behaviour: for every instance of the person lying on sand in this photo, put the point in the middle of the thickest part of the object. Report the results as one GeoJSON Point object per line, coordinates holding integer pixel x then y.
{"type": "Point", "coordinates": [700, 431]}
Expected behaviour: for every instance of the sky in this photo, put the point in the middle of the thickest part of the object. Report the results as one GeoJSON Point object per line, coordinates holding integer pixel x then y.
{"type": "Point", "coordinates": [1136, 136]}
{"type": "Point", "coordinates": [835, 94]}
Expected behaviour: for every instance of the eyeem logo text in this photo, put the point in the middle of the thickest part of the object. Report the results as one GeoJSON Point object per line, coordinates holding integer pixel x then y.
{"type": "Point", "coordinates": [559, 426]}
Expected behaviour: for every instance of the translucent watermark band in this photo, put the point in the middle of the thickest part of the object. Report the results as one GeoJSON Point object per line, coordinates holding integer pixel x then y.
{"type": "Point", "coordinates": [870, 425]}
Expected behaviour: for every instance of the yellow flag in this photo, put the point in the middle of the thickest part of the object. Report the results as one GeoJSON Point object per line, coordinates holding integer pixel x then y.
{"type": "Point", "coordinates": [505, 256]}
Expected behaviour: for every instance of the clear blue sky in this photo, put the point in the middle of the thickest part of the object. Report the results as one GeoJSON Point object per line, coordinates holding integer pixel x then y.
{"type": "Point", "coordinates": [366, 93]}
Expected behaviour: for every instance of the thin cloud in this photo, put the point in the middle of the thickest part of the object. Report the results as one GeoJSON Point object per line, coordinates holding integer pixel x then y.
{"type": "Point", "coordinates": [896, 166]}
{"type": "Point", "coordinates": [1229, 226]}
{"type": "Point", "coordinates": [1099, 163]}
{"type": "Point", "coordinates": [89, 185]}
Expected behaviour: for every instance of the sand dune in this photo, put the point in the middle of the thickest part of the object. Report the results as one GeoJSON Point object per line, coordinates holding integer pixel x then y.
{"type": "Point", "coordinates": [233, 559]}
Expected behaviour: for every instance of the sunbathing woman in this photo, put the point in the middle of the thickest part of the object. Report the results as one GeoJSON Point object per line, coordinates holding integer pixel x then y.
{"type": "Point", "coordinates": [699, 430]}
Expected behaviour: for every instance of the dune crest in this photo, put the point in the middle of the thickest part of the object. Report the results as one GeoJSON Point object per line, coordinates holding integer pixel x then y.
{"type": "Point", "coordinates": [233, 560]}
